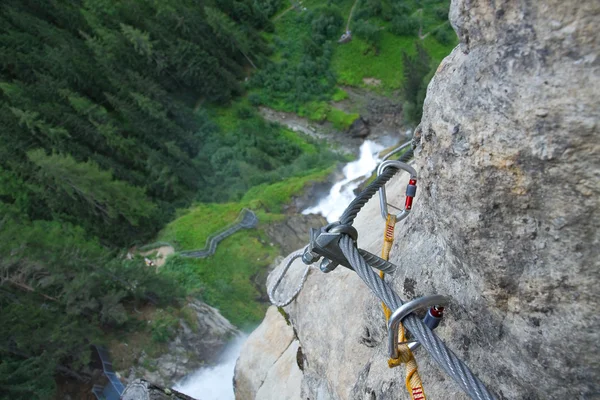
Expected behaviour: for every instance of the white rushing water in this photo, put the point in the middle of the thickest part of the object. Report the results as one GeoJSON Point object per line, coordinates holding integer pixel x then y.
{"type": "Point", "coordinates": [342, 193]}
{"type": "Point", "coordinates": [214, 383]}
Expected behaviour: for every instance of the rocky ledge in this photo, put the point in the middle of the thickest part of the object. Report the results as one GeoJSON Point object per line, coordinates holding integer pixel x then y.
{"type": "Point", "coordinates": [198, 342]}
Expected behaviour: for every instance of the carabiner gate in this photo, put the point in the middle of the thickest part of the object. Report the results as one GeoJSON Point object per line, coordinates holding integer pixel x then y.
{"type": "Point", "coordinates": [411, 189]}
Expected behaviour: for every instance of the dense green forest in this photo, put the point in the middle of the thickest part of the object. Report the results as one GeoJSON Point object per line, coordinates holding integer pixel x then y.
{"type": "Point", "coordinates": [114, 114]}
{"type": "Point", "coordinates": [105, 129]}
{"type": "Point", "coordinates": [308, 66]}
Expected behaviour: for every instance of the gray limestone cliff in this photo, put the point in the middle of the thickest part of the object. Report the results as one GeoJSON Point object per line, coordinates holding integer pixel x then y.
{"type": "Point", "coordinates": [505, 222]}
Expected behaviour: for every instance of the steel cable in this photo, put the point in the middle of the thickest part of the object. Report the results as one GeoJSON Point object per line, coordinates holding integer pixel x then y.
{"type": "Point", "coordinates": [357, 204]}
{"type": "Point", "coordinates": [428, 339]}
{"type": "Point", "coordinates": [453, 366]}
{"type": "Point", "coordinates": [445, 358]}
{"type": "Point", "coordinates": [290, 259]}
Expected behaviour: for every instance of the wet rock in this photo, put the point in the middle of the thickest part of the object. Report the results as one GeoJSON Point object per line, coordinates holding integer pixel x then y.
{"type": "Point", "coordinates": [313, 192]}
{"type": "Point", "coordinates": [293, 232]}
{"type": "Point", "coordinates": [283, 382]}
{"type": "Point", "coordinates": [141, 389]}
{"type": "Point", "coordinates": [359, 128]}
{"type": "Point", "coordinates": [198, 342]}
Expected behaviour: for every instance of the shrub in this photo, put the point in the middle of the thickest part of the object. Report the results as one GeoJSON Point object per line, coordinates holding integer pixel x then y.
{"type": "Point", "coordinates": [443, 36]}
{"type": "Point", "coordinates": [244, 112]}
{"type": "Point", "coordinates": [404, 26]}
{"type": "Point", "coordinates": [163, 327]}
{"type": "Point", "coordinates": [254, 99]}
{"type": "Point", "coordinates": [368, 32]}
{"type": "Point", "coordinates": [441, 13]}
{"type": "Point", "coordinates": [339, 95]}
{"type": "Point", "coordinates": [326, 24]}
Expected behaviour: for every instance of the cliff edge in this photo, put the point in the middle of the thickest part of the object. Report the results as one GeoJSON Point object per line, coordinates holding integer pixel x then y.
{"type": "Point", "coordinates": [505, 223]}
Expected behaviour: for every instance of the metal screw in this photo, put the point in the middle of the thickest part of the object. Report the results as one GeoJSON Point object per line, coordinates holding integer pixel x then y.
{"type": "Point", "coordinates": [310, 257]}
{"type": "Point", "coordinates": [328, 265]}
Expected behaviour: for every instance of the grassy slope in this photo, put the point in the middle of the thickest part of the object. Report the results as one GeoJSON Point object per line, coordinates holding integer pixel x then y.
{"type": "Point", "coordinates": [289, 28]}
{"type": "Point", "coordinates": [356, 60]}
{"type": "Point", "coordinates": [225, 279]}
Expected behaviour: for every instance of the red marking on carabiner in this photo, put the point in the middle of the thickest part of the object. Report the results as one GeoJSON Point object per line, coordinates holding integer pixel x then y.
{"type": "Point", "coordinates": [409, 199]}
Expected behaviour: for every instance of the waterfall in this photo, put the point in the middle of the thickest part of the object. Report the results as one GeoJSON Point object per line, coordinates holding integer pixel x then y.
{"type": "Point", "coordinates": [342, 193]}
{"type": "Point", "coordinates": [214, 383]}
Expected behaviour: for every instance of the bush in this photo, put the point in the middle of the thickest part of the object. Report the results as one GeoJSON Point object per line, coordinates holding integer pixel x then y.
{"type": "Point", "coordinates": [400, 10]}
{"type": "Point", "coordinates": [326, 23]}
{"type": "Point", "coordinates": [441, 13]}
{"type": "Point", "coordinates": [341, 120]}
{"type": "Point", "coordinates": [254, 99]}
{"type": "Point", "coordinates": [443, 36]}
{"type": "Point", "coordinates": [368, 32]}
{"type": "Point", "coordinates": [315, 111]}
{"type": "Point", "coordinates": [164, 327]}
{"type": "Point", "coordinates": [374, 6]}
{"type": "Point", "coordinates": [404, 26]}
{"type": "Point", "coordinates": [244, 112]}
{"type": "Point", "coordinates": [339, 95]}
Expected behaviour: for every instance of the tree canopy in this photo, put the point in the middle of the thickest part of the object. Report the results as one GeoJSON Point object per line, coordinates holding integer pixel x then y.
{"type": "Point", "coordinates": [107, 125]}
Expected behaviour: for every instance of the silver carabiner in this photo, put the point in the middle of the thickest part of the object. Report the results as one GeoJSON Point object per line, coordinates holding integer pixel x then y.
{"type": "Point", "coordinates": [411, 189]}
{"type": "Point", "coordinates": [402, 312]}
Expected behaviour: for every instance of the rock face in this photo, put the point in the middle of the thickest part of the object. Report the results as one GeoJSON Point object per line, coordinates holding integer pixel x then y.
{"type": "Point", "coordinates": [382, 114]}
{"type": "Point", "coordinates": [270, 370]}
{"type": "Point", "coordinates": [192, 347]}
{"type": "Point", "coordinates": [292, 233]}
{"type": "Point", "coordinates": [505, 220]}
{"type": "Point", "coordinates": [359, 128]}
{"type": "Point", "coordinates": [144, 390]}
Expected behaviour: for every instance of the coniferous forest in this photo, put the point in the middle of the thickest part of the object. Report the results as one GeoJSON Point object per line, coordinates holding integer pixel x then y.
{"type": "Point", "coordinates": [103, 133]}
{"type": "Point", "coordinates": [110, 121]}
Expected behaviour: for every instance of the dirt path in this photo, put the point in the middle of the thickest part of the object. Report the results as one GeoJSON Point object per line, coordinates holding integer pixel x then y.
{"type": "Point", "coordinates": [350, 16]}
{"type": "Point", "coordinates": [281, 14]}
{"type": "Point", "coordinates": [433, 30]}
{"type": "Point", "coordinates": [159, 255]}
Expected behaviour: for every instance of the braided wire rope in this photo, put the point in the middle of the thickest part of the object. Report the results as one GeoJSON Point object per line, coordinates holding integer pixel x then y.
{"type": "Point", "coordinates": [289, 260]}
{"type": "Point", "coordinates": [359, 201]}
{"type": "Point", "coordinates": [449, 361]}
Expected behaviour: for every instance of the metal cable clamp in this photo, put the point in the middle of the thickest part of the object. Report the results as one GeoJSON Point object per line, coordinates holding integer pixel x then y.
{"type": "Point", "coordinates": [325, 242]}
